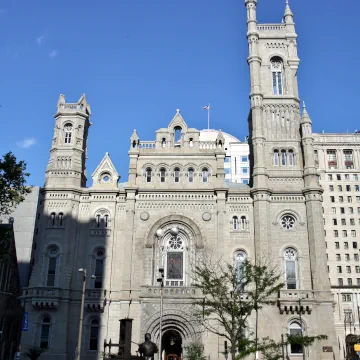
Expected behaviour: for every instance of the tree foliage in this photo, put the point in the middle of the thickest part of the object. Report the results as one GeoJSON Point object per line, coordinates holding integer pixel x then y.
{"type": "Point", "coordinates": [194, 351]}
{"type": "Point", "coordinates": [12, 183]}
{"type": "Point", "coordinates": [233, 293]}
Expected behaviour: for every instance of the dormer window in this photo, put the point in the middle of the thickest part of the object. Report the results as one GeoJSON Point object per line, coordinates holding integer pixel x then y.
{"type": "Point", "coordinates": [277, 75]}
{"type": "Point", "coordinates": [177, 136]}
{"type": "Point", "coordinates": [68, 133]}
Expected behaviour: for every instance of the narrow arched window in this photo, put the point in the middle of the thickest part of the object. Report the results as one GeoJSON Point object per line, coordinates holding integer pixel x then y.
{"type": "Point", "coordinates": [61, 219]}
{"type": "Point", "coordinates": [163, 143]}
{"type": "Point", "coordinates": [243, 223]}
{"type": "Point", "coordinates": [240, 257]}
{"type": "Point", "coordinates": [98, 220]}
{"type": "Point", "coordinates": [68, 133]}
{"type": "Point", "coordinates": [175, 259]}
{"type": "Point", "coordinates": [53, 217]}
{"type": "Point", "coordinates": [94, 335]}
{"type": "Point", "coordinates": [162, 175]}
{"type": "Point", "coordinates": [276, 158]}
{"type": "Point", "coordinates": [290, 262]}
{"type": "Point", "coordinates": [176, 175]}
{"type": "Point", "coordinates": [106, 220]}
{"type": "Point", "coordinates": [45, 333]}
{"type": "Point", "coordinates": [52, 266]}
{"type": "Point", "coordinates": [291, 158]}
{"type": "Point", "coordinates": [191, 142]}
{"type": "Point", "coordinates": [235, 222]}
{"type": "Point", "coordinates": [148, 173]}
{"type": "Point", "coordinates": [296, 330]}
{"type": "Point", "coordinates": [191, 175]}
{"type": "Point", "coordinates": [205, 175]}
{"type": "Point", "coordinates": [99, 269]}
{"type": "Point", "coordinates": [177, 136]}
{"type": "Point", "coordinates": [277, 76]}
{"type": "Point", "coordinates": [283, 157]}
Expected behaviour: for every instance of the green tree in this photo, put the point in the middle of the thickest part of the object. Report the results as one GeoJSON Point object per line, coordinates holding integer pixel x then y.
{"type": "Point", "coordinates": [12, 192]}
{"type": "Point", "coordinates": [194, 351]}
{"type": "Point", "coordinates": [231, 294]}
{"type": "Point", "coordinates": [12, 183]}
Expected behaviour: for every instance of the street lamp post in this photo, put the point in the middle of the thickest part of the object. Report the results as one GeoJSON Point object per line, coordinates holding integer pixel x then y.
{"type": "Point", "coordinates": [160, 235]}
{"type": "Point", "coordinates": [78, 349]}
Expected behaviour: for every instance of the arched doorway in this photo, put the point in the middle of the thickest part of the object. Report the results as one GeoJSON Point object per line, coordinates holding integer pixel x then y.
{"type": "Point", "coordinates": [172, 345]}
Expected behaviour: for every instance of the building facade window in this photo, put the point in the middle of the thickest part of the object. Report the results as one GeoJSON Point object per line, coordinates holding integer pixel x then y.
{"type": "Point", "coordinates": [191, 175]}
{"type": "Point", "coordinates": [45, 332]}
{"type": "Point", "coordinates": [295, 329]}
{"type": "Point", "coordinates": [277, 76]}
{"type": "Point", "coordinates": [68, 133]}
{"type": "Point", "coordinates": [175, 260]}
{"type": "Point", "coordinates": [205, 175]}
{"type": "Point", "coordinates": [235, 223]}
{"type": "Point", "coordinates": [240, 258]}
{"type": "Point", "coordinates": [283, 157]}
{"type": "Point", "coordinates": [162, 175]}
{"type": "Point", "coordinates": [276, 158]}
{"type": "Point", "coordinates": [291, 158]}
{"type": "Point", "coordinates": [290, 263]}
{"type": "Point", "coordinates": [148, 175]}
{"type": "Point", "coordinates": [99, 268]}
{"type": "Point", "coordinates": [53, 254]}
{"type": "Point", "coordinates": [94, 335]}
{"type": "Point", "coordinates": [176, 175]}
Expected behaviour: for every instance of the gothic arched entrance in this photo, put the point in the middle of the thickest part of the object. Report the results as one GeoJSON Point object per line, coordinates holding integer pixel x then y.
{"type": "Point", "coordinates": [171, 345]}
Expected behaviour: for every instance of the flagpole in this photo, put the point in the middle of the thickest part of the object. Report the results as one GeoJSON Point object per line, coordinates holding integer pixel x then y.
{"type": "Point", "coordinates": [209, 117]}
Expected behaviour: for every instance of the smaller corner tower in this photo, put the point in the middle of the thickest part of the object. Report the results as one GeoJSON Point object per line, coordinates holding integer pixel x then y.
{"type": "Point", "coordinates": [67, 164]}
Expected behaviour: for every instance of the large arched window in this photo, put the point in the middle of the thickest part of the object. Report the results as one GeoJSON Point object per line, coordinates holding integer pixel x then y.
{"type": "Point", "coordinates": [176, 175]}
{"type": "Point", "coordinates": [290, 262]}
{"type": "Point", "coordinates": [99, 268]}
{"type": "Point", "coordinates": [191, 175]}
{"type": "Point", "coordinates": [240, 258]}
{"type": "Point", "coordinates": [45, 332]}
{"type": "Point", "coordinates": [277, 69]}
{"type": "Point", "coordinates": [148, 174]}
{"type": "Point", "coordinates": [296, 329]}
{"type": "Point", "coordinates": [291, 158]}
{"type": "Point", "coordinates": [68, 133]}
{"type": "Point", "coordinates": [235, 223]}
{"type": "Point", "coordinates": [162, 175]}
{"type": "Point", "coordinates": [205, 175]}
{"type": "Point", "coordinates": [276, 158]}
{"type": "Point", "coordinates": [53, 254]}
{"type": "Point", "coordinates": [94, 335]}
{"type": "Point", "coordinates": [175, 260]}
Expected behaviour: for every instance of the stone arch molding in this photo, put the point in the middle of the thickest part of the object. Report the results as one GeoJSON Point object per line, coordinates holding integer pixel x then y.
{"type": "Point", "coordinates": [173, 319]}
{"type": "Point", "coordinates": [186, 224]}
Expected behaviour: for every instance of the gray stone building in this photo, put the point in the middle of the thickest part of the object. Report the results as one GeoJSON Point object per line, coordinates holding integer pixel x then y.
{"type": "Point", "coordinates": [177, 181]}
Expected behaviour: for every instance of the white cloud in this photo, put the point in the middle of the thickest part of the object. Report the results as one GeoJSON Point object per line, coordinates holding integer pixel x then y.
{"type": "Point", "coordinates": [53, 54]}
{"type": "Point", "coordinates": [26, 143]}
{"type": "Point", "coordinates": [40, 39]}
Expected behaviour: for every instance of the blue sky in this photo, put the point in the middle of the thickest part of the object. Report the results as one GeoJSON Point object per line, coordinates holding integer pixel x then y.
{"type": "Point", "coordinates": [140, 60]}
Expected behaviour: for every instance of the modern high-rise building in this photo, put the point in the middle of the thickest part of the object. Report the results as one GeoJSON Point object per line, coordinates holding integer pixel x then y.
{"type": "Point", "coordinates": [337, 157]}
{"type": "Point", "coordinates": [176, 184]}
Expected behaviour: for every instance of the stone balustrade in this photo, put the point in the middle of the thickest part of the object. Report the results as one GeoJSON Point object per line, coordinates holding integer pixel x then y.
{"type": "Point", "coordinates": [43, 297]}
{"type": "Point", "coordinates": [271, 27]}
{"type": "Point", "coordinates": [295, 301]}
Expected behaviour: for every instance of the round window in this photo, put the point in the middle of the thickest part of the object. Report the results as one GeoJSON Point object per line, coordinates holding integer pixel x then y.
{"type": "Point", "coordinates": [287, 222]}
{"type": "Point", "coordinates": [106, 178]}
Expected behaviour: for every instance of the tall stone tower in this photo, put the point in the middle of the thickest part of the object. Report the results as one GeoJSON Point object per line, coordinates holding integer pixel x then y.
{"type": "Point", "coordinates": [67, 166]}
{"type": "Point", "coordinates": [285, 188]}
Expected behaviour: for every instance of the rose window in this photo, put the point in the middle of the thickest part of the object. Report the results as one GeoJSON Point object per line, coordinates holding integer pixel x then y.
{"type": "Point", "coordinates": [175, 243]}
{"type": "Point", "coordinates": [287, 222]}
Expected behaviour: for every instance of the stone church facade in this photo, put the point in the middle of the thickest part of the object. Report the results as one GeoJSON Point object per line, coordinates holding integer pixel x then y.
{"type": "Point", "coordinates": [177, 181]}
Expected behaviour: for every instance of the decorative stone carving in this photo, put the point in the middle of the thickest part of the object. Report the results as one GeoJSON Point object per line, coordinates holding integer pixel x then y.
{"type": "Point", "coordinates": [144, 216]}
{"type": "Point", "coordinates": [206, 216]}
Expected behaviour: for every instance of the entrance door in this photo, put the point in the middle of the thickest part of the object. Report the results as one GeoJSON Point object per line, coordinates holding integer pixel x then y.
{"type": "Point", "coordinates": [172, 345]}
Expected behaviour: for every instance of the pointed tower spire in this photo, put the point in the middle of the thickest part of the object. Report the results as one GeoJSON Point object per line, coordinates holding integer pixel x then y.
{"type": "Point", "coordinates": [288, 16]}
{"type": "Point", "coordinates": [305, 116]}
